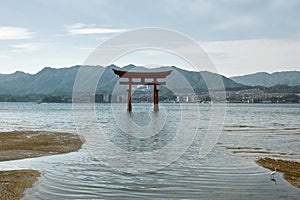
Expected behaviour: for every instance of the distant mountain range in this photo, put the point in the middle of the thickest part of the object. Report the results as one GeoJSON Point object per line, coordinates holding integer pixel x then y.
{"type": "Point", "coordinates": [60, 81]}
{"type": "Point", "coordinates": [47, 81]}
{"type": "Point", "coordinates": [290, 78]}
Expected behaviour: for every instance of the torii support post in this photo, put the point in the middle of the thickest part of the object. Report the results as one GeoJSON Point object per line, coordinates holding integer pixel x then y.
{"type": "Point", "coordinates": [142, 76]}
{"type": "Point", "coordinates": [129, 106]}
{"type": "Point", "coordinates": [155, 98]}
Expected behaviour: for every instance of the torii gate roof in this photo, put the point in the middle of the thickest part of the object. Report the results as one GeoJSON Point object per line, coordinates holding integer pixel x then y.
{"type": "Point", "coordinates": [142, 75]}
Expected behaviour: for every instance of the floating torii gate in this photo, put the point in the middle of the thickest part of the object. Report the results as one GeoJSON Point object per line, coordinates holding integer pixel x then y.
{"type": "Point", "coordinates": [142, 76]}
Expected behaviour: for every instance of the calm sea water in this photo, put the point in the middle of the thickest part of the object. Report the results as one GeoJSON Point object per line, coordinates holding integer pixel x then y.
{"type": "Point", "coordinates": [228, 171]}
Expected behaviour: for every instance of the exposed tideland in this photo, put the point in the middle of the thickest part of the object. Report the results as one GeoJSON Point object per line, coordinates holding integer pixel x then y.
{"type": "Point", "coordinates": [29, 144]}
{"type": "Point", "coordinates": [290, 169]}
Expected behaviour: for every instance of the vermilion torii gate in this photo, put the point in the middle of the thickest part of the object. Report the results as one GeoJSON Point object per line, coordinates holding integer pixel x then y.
{"type": "Point", "coordinates": [142, 76]}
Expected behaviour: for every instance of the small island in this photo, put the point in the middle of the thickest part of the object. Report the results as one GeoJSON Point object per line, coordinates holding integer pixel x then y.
{"type": "Point", "coordinates": [30, 144]}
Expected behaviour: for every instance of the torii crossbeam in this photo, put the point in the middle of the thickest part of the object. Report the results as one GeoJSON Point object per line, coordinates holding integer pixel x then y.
{"type": "Point", "coordinates": [142, 76]}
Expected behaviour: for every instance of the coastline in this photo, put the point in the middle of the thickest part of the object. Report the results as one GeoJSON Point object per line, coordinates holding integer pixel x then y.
{"type": "Point", "coordinates": [290, 169]}
{"type": "Point", "coordinates": [30, 144]}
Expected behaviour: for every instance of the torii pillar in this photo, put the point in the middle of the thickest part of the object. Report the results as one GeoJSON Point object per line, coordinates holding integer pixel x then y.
{"type": "Point", "coordinates": [142, 76]}
{"type": "Point", "coordinates": [129, 91]}
{"type": "Point", "coordinates": [155, 97]}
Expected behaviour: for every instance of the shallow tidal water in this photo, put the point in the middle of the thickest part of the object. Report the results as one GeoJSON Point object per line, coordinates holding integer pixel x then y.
{"type": "Point", "coordinates": [160, 165]}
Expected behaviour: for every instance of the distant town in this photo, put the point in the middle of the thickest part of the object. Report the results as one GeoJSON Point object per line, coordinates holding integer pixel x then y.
{"type": "Point", "coordinates": [254, 95]}
{"type": "Point", "coordinates": [240, 96]}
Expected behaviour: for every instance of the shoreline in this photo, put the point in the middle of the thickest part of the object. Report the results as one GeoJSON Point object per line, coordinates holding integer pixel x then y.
{"type": "Point", "coordinates": [290, 169]}
{"type": "Point", "coordinates": [30, 144]}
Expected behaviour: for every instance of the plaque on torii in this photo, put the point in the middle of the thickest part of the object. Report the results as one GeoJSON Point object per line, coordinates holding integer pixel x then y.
{"type": "Point", "coordinates": [142, 77]}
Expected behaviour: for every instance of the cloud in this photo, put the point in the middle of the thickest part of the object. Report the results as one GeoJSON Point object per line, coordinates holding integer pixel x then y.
{"type": "Point", "coordinates": [198, 7]}
{"type": "Point", "coordinates": [26, 47]}
{"type": "Point", "coordinates": [236, 19]}
{"type": "Point", "coordinates": [14, 33]}
{"type": "Point", "coordinates": [236, 23]}
{"type": "Point", "coordinates": [5, 57]}
{"type": "Point", "coordinates": [82, 29]}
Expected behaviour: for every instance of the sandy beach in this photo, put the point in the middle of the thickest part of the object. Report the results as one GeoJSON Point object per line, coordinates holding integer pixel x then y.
{"type": "Point", "coordinates": [29, 144]}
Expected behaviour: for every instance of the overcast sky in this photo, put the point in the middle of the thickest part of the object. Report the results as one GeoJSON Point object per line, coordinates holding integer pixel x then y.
{"type": "Point", "coordinates": [240, 36]}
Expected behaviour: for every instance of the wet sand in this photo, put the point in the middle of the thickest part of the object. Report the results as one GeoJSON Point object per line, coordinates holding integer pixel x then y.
{"type": "Point", "coordinates": [14, 183]}
{"type": "Point", "coordinates": [290, 169]}
{"type": "Point", "coordinates": [30, 144]}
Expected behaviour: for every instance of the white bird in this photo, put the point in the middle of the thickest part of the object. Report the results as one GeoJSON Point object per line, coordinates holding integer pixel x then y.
{"type": "Point", "coordinates": [273, 173]}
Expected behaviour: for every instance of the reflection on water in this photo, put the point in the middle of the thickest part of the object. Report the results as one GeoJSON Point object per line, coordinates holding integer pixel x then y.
{"type": "Point", "coordinates": [220, 175]}
{"type": "Point", "coordinates": [274, 180]}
